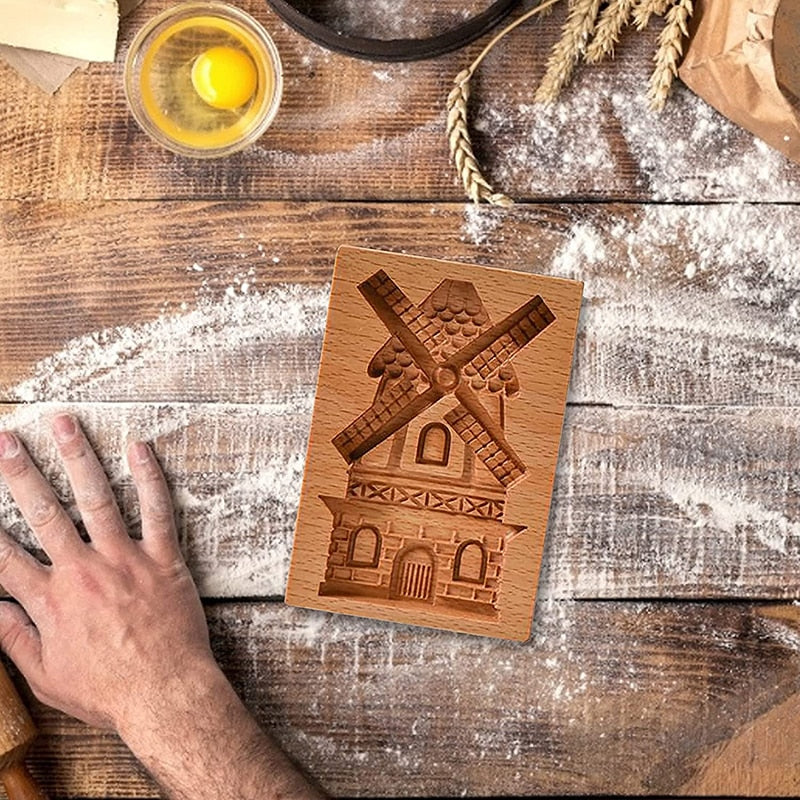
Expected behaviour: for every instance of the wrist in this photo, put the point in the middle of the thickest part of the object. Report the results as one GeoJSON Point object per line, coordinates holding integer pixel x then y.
{"type": "Point", "coordinates": [172, 704]}
{"type": "Point", "coordinates": [194, 715]}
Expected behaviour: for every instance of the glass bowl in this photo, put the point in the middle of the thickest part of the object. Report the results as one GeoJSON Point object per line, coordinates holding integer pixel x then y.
{"type": "Point", "coordinates": [171, 103]}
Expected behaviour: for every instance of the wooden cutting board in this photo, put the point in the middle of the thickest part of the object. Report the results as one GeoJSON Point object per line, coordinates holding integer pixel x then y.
{"type": "Point", "coordinates": [434, 442]}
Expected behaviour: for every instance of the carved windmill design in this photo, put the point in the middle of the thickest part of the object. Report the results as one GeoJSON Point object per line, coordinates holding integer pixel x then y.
{"type": "Point", "coordinates": [445, 368]}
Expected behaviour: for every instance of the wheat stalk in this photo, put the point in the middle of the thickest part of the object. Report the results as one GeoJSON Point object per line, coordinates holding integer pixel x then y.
{"type": "Point", "coordinates": [582, 22]}
{"type": "Point", "coordinates": [646, 9]}
{"type": "Point", "coordinates": [476, 186]}
{"type": "Point", "coordinates": [612, 20]}
{"type": "Point", "coordinates": [568, 49]}
{"type": "Point", "coordinates": [458, 135]}
{"type": "Point", "coordinates": [670, 49]}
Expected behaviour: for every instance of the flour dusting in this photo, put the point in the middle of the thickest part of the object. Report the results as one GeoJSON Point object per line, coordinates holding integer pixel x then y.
{"type": "Point", "coordinates": [236, 529]}
{"type": "Point", "coordinates": [568, 698]}
{"type": "Point", "coordinates": [678, 300]}
{"type": "Point", "coordinates": [392, 19]}
{"type": "Point", "coordinates": [682, 502]}
{"type": "Point", "coordinates": [123, 361]}
{"type": "Point", "coordinates": [730, 514]}
{"type": "Point", "coordinates": [689, 152]}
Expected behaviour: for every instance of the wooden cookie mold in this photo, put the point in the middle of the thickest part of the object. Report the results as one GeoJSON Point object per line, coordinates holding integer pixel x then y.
{"type": "Point", "coordinates": [442, 471]}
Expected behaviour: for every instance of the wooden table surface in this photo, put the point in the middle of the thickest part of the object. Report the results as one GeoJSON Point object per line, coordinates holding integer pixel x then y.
{"type": "Point", "coordinates": [184, 302]}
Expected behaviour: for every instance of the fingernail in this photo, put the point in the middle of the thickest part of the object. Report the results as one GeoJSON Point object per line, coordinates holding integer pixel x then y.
{"type": "Point", "coordinates": [9, 445]}
{"type": "Point", "coordinates": [64, 428]}
{"type": "Point", "coordinates": [141, 452]}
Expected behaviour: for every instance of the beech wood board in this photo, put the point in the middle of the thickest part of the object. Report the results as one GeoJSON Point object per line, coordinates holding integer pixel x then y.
{"type": "Point", "coordinates": [664, 658]}
{"type": "Point", "coordinates": [426, 492]}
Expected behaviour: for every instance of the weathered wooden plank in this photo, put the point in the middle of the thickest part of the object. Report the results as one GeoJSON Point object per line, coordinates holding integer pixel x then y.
{"type": "Point", "coordinates": [754, 757]}
{"type": "Point", "coordinates": [694, 502]}
{"type": "Point", "coordinates": [651, 502]}
{"type": "Point", "coordinates": [629, 698]}
{"type": "Point", "coordinates": [682, 304]}
{"type": "Point", "coordinates": [353, 129]}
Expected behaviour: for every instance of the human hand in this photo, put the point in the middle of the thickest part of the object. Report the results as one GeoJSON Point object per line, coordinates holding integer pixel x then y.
{"type": "Point", "coordinates": [115, 622]}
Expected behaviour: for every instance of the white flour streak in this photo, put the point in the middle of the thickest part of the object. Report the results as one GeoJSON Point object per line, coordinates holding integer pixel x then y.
{"type": "Point", "coordinates": [236, 527]}
{"type": "Point", "coordinates": [128, 357]}
{"type": "Point", "coordinates": [710, 265]}
{"type": "Point", "coordinates": [245, 518]}
{"type": "Point", "coordinates": [731, 514]}
{"type": "Point", "coordinates": [688, 152]}
{"type": "Point", "coordinates": [684, 153]}
{"type": "Point", "coordinates": [480, 222]}
{"type": "Point", "coordinates": [676, 298]}
{"type": "Point", "coordinates": [381, 151]}
{"type": "Point", "coordinates": [548, 151]}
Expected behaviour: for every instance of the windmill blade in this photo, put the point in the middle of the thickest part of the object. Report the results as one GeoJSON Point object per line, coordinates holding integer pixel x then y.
{"type": "Point", "coordinates": [398, 405]}
{"type": "Point", "coordinates": [484, 436]}
{"type": "Point", "coordinates": [402, 318]}
{"type": "Point", "coordinates": [503, 341]}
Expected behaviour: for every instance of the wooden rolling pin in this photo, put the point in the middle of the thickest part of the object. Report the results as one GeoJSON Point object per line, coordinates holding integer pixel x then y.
{"type": "Point", "coordinates": [17, 731]}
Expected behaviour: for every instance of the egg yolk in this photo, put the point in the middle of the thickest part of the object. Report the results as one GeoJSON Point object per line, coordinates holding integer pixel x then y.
{"type": "Point", "coordinates": [224, 77]}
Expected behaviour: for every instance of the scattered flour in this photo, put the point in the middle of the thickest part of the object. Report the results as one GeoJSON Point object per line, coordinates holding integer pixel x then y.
{"type": "Point", "coordinates": [730, 514]}
{"type": "Point", "coordinates": [255, 450]}
{"type": "Point", "coordinates": [401, 148]}
{"type": "Point", "coordinates": [722, 280]}
{"type": "Point", "coordinates": [121, 362]}
{"type": "Point", "coordinates": [568, 699]}
{"type": "Point", "coordinates": [737, 247]}
{"type": "Point", "coordinates": [689, 152]}
{"type": "Point", "coordinates": [737, 263]}
{"type": "Point", "coordinates": [679, 502]}
{"type": "Point", "coordinates": [480, 222]}
{"type": "Point", "coordinates": [391, 19]}
{"type": "Point", "coordinates": [547, 152]}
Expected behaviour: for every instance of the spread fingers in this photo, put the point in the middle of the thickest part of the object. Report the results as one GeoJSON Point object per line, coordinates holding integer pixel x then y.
{"type": "Point", "coordinates": [36, 500]}
{"type": "Point", "coordinates": [90, 487]}
{"type": "Point", "coordinates": [21, 575]}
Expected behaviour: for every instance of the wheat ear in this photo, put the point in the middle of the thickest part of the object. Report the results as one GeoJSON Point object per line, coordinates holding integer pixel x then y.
{"type": "Point", "coordinates": [670, 49]}
{"type": "Point", "coordinates": [476, 186]}
{"type": "Point", "coordinates": [458, 136]}
{"type": "Point", "coordinates": [646, 9]}
{"type": "Point", "coordinates": [568, 49]}
{"type": "Point", "coordinates": [614, 17]}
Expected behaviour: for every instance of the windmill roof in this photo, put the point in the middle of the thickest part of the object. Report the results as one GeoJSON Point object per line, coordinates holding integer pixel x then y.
{"type": "Point", "coordinates": [458, 312]}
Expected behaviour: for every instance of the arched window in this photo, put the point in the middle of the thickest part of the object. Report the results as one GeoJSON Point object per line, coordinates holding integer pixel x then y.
{"type": "Point", "coordinates": [364, 548]}
{"type": "Point", "coordinates": [470, 562]}
{"type": "Point", "coordinates": [433, 445]}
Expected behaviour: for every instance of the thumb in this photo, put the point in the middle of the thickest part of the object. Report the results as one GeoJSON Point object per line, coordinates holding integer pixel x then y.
{"type": "Point", "coordinates": [20, 639]}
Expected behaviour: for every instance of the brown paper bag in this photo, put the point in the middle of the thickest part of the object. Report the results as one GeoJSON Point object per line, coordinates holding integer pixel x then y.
{"type": "Point", "coordinates": [731, 63]}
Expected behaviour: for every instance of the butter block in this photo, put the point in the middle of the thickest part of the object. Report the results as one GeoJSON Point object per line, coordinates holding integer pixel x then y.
{"type": "Point", "coordinates": [85, 29]}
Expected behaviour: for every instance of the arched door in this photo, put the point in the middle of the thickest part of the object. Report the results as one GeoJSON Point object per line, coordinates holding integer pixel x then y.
{"type": "Point", "coordinates": [413, 574]}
